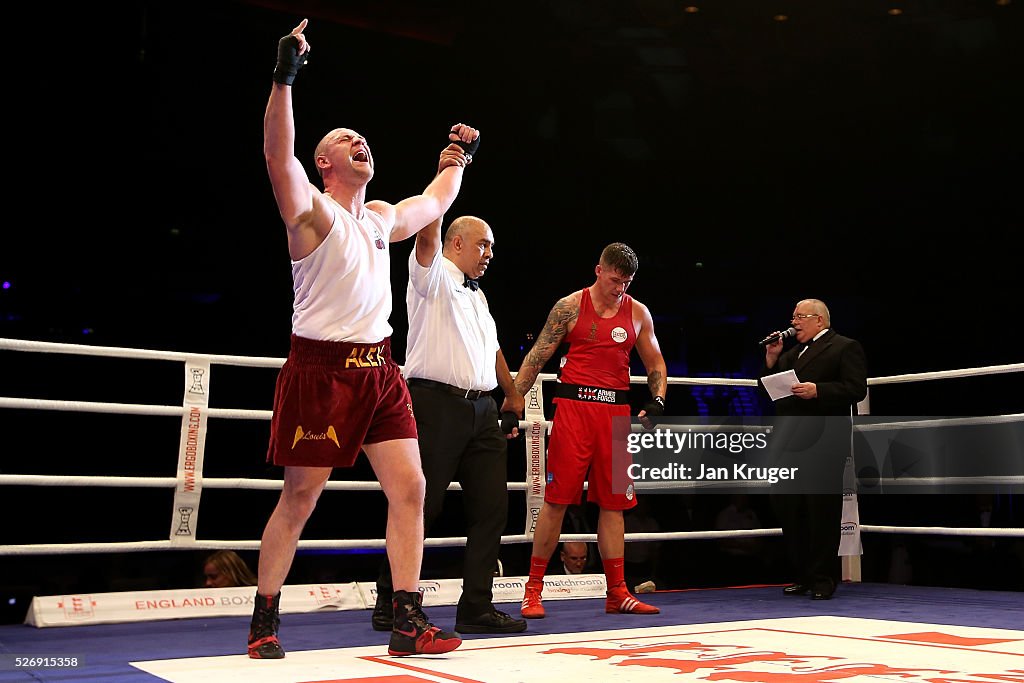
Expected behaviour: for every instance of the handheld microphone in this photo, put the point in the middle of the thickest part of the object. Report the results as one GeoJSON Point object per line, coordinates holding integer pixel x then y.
{"type": "Point", "coordinates": [772, 338]}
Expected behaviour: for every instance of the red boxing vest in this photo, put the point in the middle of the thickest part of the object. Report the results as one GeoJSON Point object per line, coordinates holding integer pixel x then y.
{"type": "Point", "coordinates": [599, 348]}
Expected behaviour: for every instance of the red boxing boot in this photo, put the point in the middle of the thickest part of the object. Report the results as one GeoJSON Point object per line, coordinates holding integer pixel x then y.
{"type": "Point", "coordinates": [621, 601]}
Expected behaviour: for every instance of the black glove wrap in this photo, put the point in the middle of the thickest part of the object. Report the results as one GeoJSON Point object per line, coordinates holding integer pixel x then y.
{"type": "Point", "coordinates": [509, 421]}
{"type": "Point", "coordinates": [655, 407]}
{"type": "Point", "coordinates": [469, 147]}
{"type": "Point", "coordinates": [289, 61]}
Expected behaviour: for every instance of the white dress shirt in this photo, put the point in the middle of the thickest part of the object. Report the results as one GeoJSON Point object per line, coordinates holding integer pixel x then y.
{"type": "Point", "coordinates": [813, 339]}
{"type": "Point", "coordinates": [452, 336]}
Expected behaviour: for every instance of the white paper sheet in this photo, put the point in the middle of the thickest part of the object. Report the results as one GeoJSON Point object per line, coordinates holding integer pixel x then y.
{"type": "Point", "coordinates": [780, 384]}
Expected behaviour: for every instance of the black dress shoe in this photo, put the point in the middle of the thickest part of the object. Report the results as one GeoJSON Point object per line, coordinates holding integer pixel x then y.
{"type": "Point", "coordinates": [822, 589]}
{"type": "Point", "coordinates": [491, 622]}
{"type": "Point", "coordinates": [796, 589]}
{"type": "Point", "coordinates": [383, 618]}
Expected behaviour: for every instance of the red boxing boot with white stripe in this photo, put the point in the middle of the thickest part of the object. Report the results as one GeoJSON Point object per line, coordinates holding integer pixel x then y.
{"type": "Point", "coordinates": [532, 607]}
{"type": "Point", "coordinates": [621, 601]}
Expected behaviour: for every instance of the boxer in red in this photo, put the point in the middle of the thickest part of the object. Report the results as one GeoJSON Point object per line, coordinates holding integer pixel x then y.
{"type": "Point", "coordinates": [602, 324]}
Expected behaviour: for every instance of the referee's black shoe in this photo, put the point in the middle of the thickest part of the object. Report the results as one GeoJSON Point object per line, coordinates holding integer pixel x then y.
{"type": "Point", "coordinates": [383, 613]}
{"type": "Point", "coordinates": [492, 621]}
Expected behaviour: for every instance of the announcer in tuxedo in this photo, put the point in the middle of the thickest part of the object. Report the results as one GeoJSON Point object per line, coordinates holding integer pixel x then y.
{"type": "Point", "coordinates": [832, 378]}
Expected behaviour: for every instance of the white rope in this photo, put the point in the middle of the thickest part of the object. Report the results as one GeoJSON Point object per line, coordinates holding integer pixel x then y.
{"type": "Point", "coordinates": [681, 535]}
{"type": "Point", "coordinates": [944, 530]}
{"type": "Point", "coordinates": [242, 484]}
{"type": "Point", "coordinates": [73, 548]}
{"type": "Point", "coordinates": [268, 362]}
{"type": "Point", "coordinates": [947, 374]}
{"type": "Point", "coordinates": [127, 408]}
{"type": "Point", "coordinates": [459, 541]}
{"type": "Point", "coordinates": [941, 422]}
{"type": "Point", "coordinates": [351, 544]}
{"type": "Point", "coordinates": [89, 406]}
{"type": "Point", "coordinates": [1009, 480]}
{"type": "Point", "coordinates": [141, 354]}
{"type": "Point", "coordinates": [109, 482]}
{"type": "Point", "coordinates": [250, 414]}
{"type": "Point", "coordinates": [208, 483]}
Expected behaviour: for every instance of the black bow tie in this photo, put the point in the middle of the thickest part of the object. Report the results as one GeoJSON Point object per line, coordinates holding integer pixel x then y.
{"type": "Point", "coordinates": [470, 282]}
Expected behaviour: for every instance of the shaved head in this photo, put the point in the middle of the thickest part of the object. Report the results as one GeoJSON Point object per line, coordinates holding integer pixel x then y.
{"type": "Point", "coordinates": [461, 226]}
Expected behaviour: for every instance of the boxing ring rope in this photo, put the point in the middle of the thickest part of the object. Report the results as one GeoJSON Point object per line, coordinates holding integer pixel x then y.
{"type": "Point", "coordinates": [206, 360]}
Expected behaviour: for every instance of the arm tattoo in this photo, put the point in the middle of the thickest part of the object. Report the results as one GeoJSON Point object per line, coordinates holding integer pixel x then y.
{"type": "Point", "coordinates": [656, 383]}
{"type": "Point", "coordinates": [555, 329]}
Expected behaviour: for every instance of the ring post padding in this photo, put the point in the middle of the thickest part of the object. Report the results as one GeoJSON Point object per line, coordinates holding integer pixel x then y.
{"type": "Point", "coordinates": [536, 440]}
{"type": "Point", "coordinates": [185, 512]}
{"type": "Point", "coordinates": [850, 546]}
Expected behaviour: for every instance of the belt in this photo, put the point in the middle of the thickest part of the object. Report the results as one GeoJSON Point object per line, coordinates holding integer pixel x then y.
{"type": "Point", "coordinates": [581, 392]}
{"type": "Point", "coordinates": [471, 394]}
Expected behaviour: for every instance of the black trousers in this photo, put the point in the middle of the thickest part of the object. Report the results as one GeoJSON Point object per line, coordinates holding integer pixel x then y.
{"type": "Point", "coordinates": [810, 535]}
{"type": "Point", "coordinates": [810, 508]}
{"type": "Point", "coordinates": [460, 440]}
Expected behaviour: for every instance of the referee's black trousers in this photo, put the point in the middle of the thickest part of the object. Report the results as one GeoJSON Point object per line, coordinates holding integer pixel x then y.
{"type": "Point", "coordinates": [460, 440]}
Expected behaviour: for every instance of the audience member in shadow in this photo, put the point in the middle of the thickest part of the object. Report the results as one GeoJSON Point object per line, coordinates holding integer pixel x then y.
{"type": "Point", "coordinates": [227, 569]}
{"type": "Point", "coordinates": [572, 558]}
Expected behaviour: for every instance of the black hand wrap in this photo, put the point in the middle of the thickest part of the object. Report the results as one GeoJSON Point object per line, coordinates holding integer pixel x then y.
{"type": "Point", "coordinates": [509, 421]}
{"type": "Point", "coordinates": [655, 407]}
{"type": "Point", "coordinates": [289, 61]}
{"type": "Point", "coordinates": [469, 147]}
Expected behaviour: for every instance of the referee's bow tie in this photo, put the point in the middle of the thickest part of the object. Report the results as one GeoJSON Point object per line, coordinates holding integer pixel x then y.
{"type": "Point", "coordinates": [470, 282]}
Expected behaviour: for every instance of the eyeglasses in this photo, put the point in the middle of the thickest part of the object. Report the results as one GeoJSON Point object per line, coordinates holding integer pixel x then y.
{"type": "Point", "coordinates": [803, 316]}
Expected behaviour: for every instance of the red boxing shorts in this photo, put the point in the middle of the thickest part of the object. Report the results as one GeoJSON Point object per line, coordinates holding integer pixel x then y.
{"type": "Point", "coordinates": [581, 439]}
{"type": "Point", "coordinates": [331, 398]}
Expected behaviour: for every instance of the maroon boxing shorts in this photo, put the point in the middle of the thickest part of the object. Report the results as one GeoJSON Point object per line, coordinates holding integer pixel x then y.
{"type": "Point", "coordinates": [333, 397]}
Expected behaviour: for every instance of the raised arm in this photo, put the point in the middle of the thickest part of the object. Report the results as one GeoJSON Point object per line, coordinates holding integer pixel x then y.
{"type": "Point", "coordinates": [428, 241]}
{"type": "Point", "coordinates": [414, 213]}
{"type": "Point", "coordinates": [650, 354]}
{"type": "Point", "coordinates": [296, 197]}
{"type": "Point", "coordinates": [560, 321]}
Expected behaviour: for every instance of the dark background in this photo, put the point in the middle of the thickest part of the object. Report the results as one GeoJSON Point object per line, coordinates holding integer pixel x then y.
{"type": "Point", "coordinates": [866, 158]}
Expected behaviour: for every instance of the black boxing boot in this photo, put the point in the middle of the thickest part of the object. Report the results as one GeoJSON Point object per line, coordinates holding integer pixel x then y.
{"type": "Point", "coordinates": [266, 619]}
{"type": "Point", "coordinates": [412, 634]}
